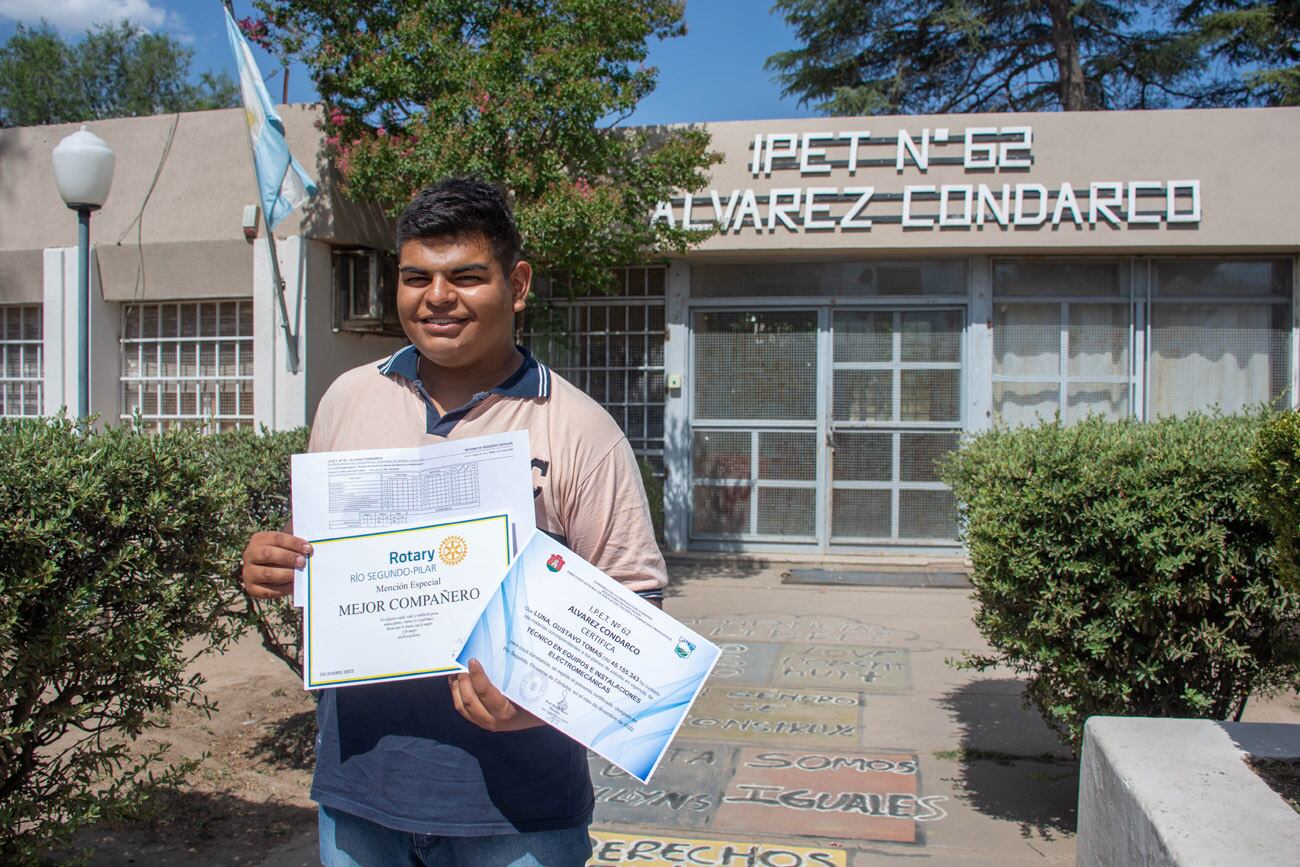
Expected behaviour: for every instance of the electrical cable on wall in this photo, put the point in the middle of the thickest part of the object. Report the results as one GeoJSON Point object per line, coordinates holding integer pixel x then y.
{"type": "Point", "coordinates": [138, 223]}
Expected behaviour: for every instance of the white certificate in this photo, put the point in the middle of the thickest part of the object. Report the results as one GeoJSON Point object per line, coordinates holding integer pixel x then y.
{"type": "Point", "coordinates": [398, 604]}
{"type": "Point", "coordinates": [348, 493]}
{"type": "Point", "coordinates": [575, 647]}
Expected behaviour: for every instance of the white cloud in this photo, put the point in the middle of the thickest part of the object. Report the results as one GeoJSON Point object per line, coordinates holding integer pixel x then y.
{"type": "Point", "coordinates": [75, 16]}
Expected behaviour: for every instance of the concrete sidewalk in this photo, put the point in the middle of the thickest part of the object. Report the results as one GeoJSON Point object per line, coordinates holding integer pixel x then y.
{"type": "Point", "coordinates": [834, 731]}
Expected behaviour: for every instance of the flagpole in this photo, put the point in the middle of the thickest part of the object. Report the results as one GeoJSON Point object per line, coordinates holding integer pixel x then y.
{"type": "Point", "coordinates": [290, 339]}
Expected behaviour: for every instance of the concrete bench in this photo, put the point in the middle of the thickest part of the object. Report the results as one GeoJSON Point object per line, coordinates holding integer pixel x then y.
{"type": "Point", "coordinates": [1157, 792]}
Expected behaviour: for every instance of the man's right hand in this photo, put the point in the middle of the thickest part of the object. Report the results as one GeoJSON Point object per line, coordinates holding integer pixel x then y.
{"type": "Point", "coordinates": [269, 561]}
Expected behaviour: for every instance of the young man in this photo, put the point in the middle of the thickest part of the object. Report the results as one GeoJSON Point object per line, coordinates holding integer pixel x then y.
{"type": "Point", "coordinates": [448, 770]}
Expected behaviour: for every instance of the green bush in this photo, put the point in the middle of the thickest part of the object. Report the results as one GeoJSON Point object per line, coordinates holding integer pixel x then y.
{"type": "Point", "coordinates": [115, 560]}
{"type": "Point", "coordinates": [1122, 568]}
{"type": "Point", "coordinates": [654, 492]}
{"type": "Point", "coordinates": [258, 465]}
{"type": "Point", "coordinates": [1276, 461]}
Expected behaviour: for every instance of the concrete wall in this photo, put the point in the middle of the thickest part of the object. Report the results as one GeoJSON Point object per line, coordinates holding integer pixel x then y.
{"type": "Point", "coordinates": [1157, 792]}
{"type": "Point", "coordinates": [59, 298]}
{"type": "Point", "coordinates": [285, 399]}
{"type": "Point", "coordinates": [179, 189]}
{"type": "Point", "coordinates": [330, 353]}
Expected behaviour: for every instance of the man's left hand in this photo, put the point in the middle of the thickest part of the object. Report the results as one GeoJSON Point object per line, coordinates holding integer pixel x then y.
{"type": "Point", "coordinates": [478, 701]}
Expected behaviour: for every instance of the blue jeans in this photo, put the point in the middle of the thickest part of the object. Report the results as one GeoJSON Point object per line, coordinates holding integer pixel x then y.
{"type": "Point", "coordinates": [350, 841]}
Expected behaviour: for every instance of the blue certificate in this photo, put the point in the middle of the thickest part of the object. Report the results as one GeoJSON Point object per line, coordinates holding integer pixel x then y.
{"type": "Point", "coordinates": [572, 645]}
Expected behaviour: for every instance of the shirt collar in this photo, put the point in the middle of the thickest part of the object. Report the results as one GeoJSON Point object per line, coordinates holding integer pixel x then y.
{"type": "Point", "coordinates": [531, 379]}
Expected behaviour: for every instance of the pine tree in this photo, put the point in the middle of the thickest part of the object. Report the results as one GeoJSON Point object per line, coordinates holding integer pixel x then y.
{"type": "Point", "coordinates": [914, 56]}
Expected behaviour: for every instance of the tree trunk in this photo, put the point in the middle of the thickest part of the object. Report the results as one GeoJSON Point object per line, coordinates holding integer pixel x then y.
{"type": "Point", "coordinates": [1065, 45]}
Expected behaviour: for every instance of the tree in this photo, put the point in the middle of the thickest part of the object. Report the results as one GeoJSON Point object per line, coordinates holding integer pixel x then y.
{"type": "Point", "coordinates": [115, 71]}
{"type": "Point", "coordinates": [524, 93]}
{"type": "Point", "coordinates": [1260, 39]}
{"type": "Point", "coordinates": [942, 56]}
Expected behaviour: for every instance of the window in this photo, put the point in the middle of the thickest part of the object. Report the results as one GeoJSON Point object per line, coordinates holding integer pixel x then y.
{"type": "Point", "coordinates": [1219, 334]}
{"type": "Point", "coordinates": [188, 363]}
{"type": "Point", "coordinates": [612, 347]}
{"type": "Point", "coordinates": [838, 279]}
{"type": "Point", "coordinates": [22, 363]}
{"type": "Point", "coordinates": [365, 292]}
{"type": "Point", "coordinates": [1067, 337]}
{"type": "Point", "coordinates": [1061, 341]}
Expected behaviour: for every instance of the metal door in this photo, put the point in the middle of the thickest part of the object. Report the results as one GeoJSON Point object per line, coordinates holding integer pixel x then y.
{"type": "Point", "coordinates": [820, 425]}
{"type": "Point", "coordinates": [893, 382]}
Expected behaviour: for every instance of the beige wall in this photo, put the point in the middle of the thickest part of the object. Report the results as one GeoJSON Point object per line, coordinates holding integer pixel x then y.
{"type": "Point", "coordinates": [188, 229]}
{"type": "Point", "coordinates": [185, 239]}
{"type": "Point", "coordinates": [1244, 160]}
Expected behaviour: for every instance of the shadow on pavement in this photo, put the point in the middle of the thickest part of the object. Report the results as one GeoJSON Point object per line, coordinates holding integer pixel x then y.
{"type": "Point", "coordinates": [683, 569]}
{"type": "Point", "coordinates": [289, 744]}
{"type": "Point", "coordinates": [1011, 766]}
{"type": "Point", "coordinates": [179, 828]}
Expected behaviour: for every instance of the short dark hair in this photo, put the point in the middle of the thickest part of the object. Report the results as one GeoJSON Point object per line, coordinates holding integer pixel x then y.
{"type": "Point", "coordinates": [463, 206]}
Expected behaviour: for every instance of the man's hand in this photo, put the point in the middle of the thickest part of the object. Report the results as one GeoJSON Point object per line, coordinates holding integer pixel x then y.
{"type": "Point", "coordinates": [483, 704]}
{"type": "Point", "coordinates": [269, 561]}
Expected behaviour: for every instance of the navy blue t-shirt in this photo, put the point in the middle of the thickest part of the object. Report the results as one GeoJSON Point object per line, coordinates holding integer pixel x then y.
{"type": "Point", "coordinates": [399, 754]}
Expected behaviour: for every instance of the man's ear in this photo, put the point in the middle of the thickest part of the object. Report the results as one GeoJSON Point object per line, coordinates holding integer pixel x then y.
{"type": "Point", "coordinates": [521, 280]}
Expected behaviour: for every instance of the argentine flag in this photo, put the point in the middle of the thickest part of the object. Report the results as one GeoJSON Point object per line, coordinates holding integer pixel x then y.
{"type": "Point", "coordinates": [282, 185]}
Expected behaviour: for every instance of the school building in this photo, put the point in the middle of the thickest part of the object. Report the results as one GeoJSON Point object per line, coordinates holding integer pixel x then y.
{"type": "Point", "coordinates": [877, 288]}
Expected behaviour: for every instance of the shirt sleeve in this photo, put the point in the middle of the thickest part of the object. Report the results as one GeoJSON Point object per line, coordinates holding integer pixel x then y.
{"type": "Point", "coordinates": [322, 425]}
{"type": "Point", "coordinates": [609, 524]}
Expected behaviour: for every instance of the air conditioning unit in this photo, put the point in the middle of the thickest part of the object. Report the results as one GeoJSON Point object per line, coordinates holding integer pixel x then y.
{"type": "Point", "coordinates": [365, 292]}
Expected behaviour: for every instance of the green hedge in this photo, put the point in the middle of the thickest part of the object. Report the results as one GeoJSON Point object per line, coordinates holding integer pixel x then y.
{"type": "Point", "coordinates": [1123, 569]}
{"type": "Point", "coordinates": [258, 465]}
{"type": "Point", "coordinates": [116, 553]}
{"type": "Point", "coordinates": [1276, 461]}
{"type": "Point", "coordinates": [654, 492]}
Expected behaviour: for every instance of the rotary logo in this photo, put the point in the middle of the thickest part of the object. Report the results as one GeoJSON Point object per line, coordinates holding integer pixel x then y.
{"type": "Point", "coordinates": [556, 563]}
{"type": "Point", "coordinates": [453, 550]}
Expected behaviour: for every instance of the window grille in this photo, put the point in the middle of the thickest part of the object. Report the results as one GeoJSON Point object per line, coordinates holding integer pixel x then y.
{"type": "Point", "coordinates": [188, 363]}
{"type": "Point", "coordinates": [612, 347]}
{"type": "Point", "coordinates": [22, 362]}
{"type": "Point", "coordinates": [365, 292]}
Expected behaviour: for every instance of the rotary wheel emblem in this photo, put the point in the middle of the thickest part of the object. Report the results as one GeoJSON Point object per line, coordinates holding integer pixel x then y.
{"type": "Point", "coordinates": [453, 550]}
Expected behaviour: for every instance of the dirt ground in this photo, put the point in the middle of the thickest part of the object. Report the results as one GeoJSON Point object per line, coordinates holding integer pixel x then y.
{"type": "Point", "coordinates": [250, 793]}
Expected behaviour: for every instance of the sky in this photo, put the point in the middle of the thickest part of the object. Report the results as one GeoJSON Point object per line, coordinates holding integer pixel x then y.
{"type": "Point", "coordinates": [713, 73]}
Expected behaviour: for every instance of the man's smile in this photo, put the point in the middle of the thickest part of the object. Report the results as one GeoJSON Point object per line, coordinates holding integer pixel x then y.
{"type": "Point", "coordinates": [442, 324]}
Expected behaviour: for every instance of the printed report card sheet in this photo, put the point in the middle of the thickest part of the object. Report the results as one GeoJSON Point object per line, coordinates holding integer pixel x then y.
{"type": "Point", "coordinates": [585, 654]}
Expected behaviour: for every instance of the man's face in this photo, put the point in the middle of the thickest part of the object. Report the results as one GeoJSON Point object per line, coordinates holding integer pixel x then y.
{"type": "Point", "coordinates": [455, 303]}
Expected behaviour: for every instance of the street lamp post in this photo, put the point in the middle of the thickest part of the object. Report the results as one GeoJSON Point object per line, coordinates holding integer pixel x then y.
{"type": "Point", "coordinates": [83, 169]}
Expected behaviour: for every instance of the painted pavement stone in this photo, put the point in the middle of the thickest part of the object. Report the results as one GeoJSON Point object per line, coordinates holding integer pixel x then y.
{"type": "Point", "coordinates": [850, 796]}
{"type": "Point", "coordinates": [846, 666]}
{"type": "Point", "coordinates": [655, 848]}
{"type": "Point", "coordinates": [787, 715]}
{"type": "Point", "coordinates": [769, 792]}
{"type": "Point", "coordinates": [683, 793]}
